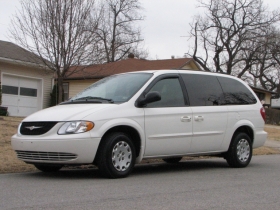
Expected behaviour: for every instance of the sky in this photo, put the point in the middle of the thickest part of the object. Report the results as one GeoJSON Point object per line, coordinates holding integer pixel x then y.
{"type": "Point", "coordinates": [164, 29]}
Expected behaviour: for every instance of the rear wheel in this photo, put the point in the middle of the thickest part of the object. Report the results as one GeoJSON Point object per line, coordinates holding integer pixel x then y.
{"type": "Point", "coordinates": [48, 168]}
{"type": "Point", "coordinates": [116, 156]}
{"type": "Point", "coordinates": [172, 160]}
{"type": "Point", "coordinates": [239, 153]}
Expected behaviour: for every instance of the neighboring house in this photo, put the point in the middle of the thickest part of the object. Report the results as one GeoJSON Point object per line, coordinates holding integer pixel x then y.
{"type": "Point", "coordinates": [80, 78]}
{"type": "Point", "coordinates": [264, 95]}
{"type": "Point", "coordinates": [25, 80]}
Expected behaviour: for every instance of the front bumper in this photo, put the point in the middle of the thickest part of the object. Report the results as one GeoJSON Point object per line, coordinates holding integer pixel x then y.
{"type": "Point", "coordinates": [64, 149]}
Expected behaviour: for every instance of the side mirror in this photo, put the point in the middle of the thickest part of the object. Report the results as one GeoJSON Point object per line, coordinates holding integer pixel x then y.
{"type": "Point", "coordinates": [149, 98]}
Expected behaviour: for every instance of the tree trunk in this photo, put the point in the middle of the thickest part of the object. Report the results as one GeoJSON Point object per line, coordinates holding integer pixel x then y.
{"type": "Point", "coordinates": [60, 89]}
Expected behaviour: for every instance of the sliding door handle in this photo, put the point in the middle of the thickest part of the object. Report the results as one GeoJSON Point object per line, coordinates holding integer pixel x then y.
{"type": "Point", "coordinates": [198, 118]}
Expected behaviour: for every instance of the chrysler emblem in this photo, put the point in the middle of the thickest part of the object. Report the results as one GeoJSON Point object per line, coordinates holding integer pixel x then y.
{"type": "Point", "coordinates": [33, 127]}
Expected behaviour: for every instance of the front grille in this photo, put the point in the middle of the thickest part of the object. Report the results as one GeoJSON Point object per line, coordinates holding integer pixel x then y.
{"type": "Point", "coordinates": [49, 156]}
{"type": "Point", "coordinates": [36, 128]}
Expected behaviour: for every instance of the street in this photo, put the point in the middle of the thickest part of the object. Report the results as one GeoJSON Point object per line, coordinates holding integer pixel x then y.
{"type": "Point", "coordinates": [196, 184]}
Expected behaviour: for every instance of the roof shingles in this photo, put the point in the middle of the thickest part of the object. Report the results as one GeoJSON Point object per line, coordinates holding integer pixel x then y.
{"type": "Point", "coordinates": [14, 52]}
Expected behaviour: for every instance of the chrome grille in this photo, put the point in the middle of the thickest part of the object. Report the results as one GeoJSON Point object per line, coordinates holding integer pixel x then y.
{"type": "Point", "coordinates": [49, 156]}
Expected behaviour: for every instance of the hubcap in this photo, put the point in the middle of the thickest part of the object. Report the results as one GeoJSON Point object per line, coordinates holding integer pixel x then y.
{"type": "Point", "coordinates": [121, 156]}
{"type": "Point", "coordinates": [243, 150]}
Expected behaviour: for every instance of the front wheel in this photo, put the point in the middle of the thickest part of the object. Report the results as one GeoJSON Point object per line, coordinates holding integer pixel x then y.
{"type": "Point", "coordinates": [239, 153]}
{"type": "Point", "coordinates": [48, 168]}
{"type": "Point", "coordinates": [116, 156]}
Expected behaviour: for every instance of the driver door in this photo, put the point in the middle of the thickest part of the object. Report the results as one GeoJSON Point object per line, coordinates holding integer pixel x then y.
{"type": "Point", "coordinates": [168, 122]}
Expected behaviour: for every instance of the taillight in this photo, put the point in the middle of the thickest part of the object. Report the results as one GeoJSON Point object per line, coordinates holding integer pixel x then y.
{"type": "Point", "coordinates": [262, 110]}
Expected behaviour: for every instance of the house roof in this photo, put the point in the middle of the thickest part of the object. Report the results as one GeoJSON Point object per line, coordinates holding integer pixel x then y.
{"type": "Point", "coordinates": [14, 52]}
{"type": "Point", "coordinates": [122, 66]}
{"type": "Point", "coordinates": [262, 90]}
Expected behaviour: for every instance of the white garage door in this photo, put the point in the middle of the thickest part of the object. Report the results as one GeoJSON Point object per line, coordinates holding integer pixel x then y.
{"type": "Point", "coordinates": [21, 95]}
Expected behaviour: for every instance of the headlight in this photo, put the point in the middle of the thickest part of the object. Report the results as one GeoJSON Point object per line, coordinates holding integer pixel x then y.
{"type": "Point", "coordinates": [75, 127]}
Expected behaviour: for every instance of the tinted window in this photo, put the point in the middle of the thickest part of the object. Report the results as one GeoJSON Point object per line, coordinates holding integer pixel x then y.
{"type": "Point", "coordinates": [235, 92]}
{"type": "Point", "coordinates": [203, 90]}
{"type": "Point", "coordinates": [171, 93]}
{"type": "Point", "coordinates": [9, 89]}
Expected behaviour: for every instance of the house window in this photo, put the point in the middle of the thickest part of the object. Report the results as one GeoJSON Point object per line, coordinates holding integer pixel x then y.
{"type": "Point", "coordinates": [66, 90]}
{"type": "Point", "coordinates": [260, 95]}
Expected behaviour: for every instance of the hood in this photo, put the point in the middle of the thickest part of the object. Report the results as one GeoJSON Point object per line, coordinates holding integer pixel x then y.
{"type": "Point", "coordinates": [67, 112]}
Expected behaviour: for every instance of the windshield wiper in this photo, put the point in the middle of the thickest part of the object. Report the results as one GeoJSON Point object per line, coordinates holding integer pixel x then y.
{"type": "Point", "coordinates": [94, 98]}
{"type": "Point", "coordinates": [88, 99]}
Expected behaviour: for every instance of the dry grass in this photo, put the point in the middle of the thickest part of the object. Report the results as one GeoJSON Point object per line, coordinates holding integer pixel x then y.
{"type": "Point", "coordinates": [10, 164]}
{"type": "Point", "coordinates": [273, 132]}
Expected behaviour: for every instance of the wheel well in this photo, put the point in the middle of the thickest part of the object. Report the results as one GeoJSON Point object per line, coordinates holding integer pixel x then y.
{"type": "Point", "coordinates": [131, 132]}
{"type": "Point", "coordinates": [245, 129]}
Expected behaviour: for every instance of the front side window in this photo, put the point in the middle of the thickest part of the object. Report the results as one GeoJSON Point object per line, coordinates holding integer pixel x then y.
{"type": "Point", "coordinates": [171, 93]}
{"type": "Point", "coordinates": [115, 89]}
{"type": "Point", "coordinates": [203, 90]}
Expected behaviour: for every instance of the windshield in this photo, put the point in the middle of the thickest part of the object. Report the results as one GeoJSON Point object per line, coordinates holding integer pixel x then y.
{"type": "Point", "coordinates": [114, 89]}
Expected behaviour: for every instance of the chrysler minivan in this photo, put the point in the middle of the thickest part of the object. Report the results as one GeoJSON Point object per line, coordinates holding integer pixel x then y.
{"type": "Point", "coordinates": [120, 120]}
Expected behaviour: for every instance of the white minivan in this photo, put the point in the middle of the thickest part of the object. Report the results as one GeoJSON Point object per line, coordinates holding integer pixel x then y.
{"type": "Point", "coordinates": [125, 118]}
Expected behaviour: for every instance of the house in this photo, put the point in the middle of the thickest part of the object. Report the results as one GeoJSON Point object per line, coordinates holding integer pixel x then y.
{"type": "Point", "coordinates": [26, 82]}
{"type": "Point", "coordinates": [78, 78]}
{"type": "Point", "coordinates": [264, 95]}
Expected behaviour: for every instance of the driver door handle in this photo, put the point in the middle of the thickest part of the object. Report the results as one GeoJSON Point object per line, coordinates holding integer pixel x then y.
{"type": "Point", "coordinates": [186, 119]}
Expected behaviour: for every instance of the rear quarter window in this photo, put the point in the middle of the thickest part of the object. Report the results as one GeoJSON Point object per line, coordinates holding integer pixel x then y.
{"type": "Point", "coordinates": [235, 92]}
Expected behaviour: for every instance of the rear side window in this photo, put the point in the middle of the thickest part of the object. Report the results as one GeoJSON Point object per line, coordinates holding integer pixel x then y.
{"type": "Point", "coordinates": [203, 90]}
{"type": "Point", "coordinates": [235, 92]}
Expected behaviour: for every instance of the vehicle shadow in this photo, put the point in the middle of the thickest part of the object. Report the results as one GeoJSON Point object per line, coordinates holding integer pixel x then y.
{"type": "Point", "coordinates": [139, 169]}
{"type": "Point", "coordinates": [183, 166]}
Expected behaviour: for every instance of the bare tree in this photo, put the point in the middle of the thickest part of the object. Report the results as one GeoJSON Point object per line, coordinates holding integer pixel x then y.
{"type": "Point", "coordinates": [117, 31]}
{"type": "Point", "coordinates": [264, 70]}
{"type": "Point", "coordinates": [275, 51]}
{"type": "Point", "coordinates": [59, 31]}
{"type": "Point", "coordinates": [229, 38]}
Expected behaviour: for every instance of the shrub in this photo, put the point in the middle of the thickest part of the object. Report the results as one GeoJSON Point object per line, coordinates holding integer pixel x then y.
{"type": "Point", "coordinates": [0, 94]}
{"type": "Point", "coordinates": [54, 96]}
{"type": "Point", "coordinates": [272, 116]}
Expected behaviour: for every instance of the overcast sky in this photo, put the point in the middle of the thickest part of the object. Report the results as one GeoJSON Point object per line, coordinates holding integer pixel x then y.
{"type": "Point", "coordinates": [165, 25]}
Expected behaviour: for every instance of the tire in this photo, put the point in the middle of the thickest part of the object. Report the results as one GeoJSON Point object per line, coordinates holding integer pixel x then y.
{"type": "Point", "coordinates": [116, 156]}
{"type": "Point", "coordinates": [48, 168]}
{"type": "Point", "coordinates": [172, 160]}
{"type": "Point", "coordinates": [239, 153]}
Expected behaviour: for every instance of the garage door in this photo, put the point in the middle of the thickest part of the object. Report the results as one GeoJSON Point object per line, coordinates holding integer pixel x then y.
{"type": "Point", "coordinates": [20, 95]}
